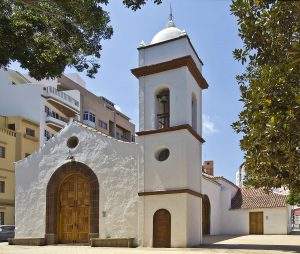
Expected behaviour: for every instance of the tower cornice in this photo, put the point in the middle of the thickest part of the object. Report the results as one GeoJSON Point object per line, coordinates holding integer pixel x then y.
{"type": "Point", "coordinates": [176, 63]}
{"type": "Point", "coordinates": [173, 128]}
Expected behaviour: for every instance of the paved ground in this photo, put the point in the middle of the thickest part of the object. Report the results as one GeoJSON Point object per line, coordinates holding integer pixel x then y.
{"type": "Point", "coordinates": [267, 244]}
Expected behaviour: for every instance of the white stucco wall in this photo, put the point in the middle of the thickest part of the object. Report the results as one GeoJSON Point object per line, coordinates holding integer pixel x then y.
{"type": "Point", "coordinates": [185, 224]}
{"type": "Point", "coordinates": [237, 221]}
{"type": "Point", "coordinates": [114, 162]}
{"type": "Point", "coordinates": [180, 170]}
{"type": "Point", "coordinates": [194, 222]}
{"type": "Point", "coordinates": [225, 220]}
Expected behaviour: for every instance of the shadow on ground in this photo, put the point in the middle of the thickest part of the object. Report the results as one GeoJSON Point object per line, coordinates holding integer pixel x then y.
{"type": "Point", "coordinates": [211, 239]}
{"type": "Point", "coordinates": [219, 242]}
{"type": "Point", "coordinates": [295, 249]}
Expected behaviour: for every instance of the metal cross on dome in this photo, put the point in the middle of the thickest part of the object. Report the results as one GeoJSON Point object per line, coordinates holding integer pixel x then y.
{"type": "Point", "coordinates": [171, 13]}
{"type": "Point", "coordinates": [171, 18]}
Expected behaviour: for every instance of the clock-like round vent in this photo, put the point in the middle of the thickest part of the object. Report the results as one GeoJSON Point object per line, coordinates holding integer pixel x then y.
{"type": "Point", "coordinates": [162, 154]}
{"type": "Point", "coordinates": [72, 142]}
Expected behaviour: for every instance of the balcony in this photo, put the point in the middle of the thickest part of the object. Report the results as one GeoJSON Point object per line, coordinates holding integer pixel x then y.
{"type": "Point", "coordinates": [163, 120]}
{"type": "Point", "coordinates": [56, 123]}
{"type": "Point", "coordinates": [64, 102]}
{"type": "Point", "coordinates": [8, 132]}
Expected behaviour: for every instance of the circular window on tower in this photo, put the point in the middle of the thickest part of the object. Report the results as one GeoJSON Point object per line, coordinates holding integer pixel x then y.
{"type": "Point", "coordinates": [72, 142]}
{"type": "Point", "coordinates": [162, 154]}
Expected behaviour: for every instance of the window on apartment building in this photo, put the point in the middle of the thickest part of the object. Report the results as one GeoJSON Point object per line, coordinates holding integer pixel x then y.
{"type": "Point", "coordinates": [11, 126]}
{"type": "Point", "coordinates": [92, 117]}
{"type": "Point", "coordinates": [86, 115]}
{"type": "Point", "coordinates": [30, 132]}
{"type": "Point", "coordinates": [1, 218]}
{"type": "Point", "coordinates": [2, 186]}
{"type": "Point", "coordinates": [47, 135]}
{"type": "Point", "coordinates": [102, 125]}
{"type": "Point", "coordinates": [47, 110]}
{"type": "Point", "coordinates": [2, 152]}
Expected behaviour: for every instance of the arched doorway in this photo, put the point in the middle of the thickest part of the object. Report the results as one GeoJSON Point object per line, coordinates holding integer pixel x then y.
{"type": "Point", "coordinates": [205, 215]}
{"type": "Point", "coordinates": [162, 229]}
{"type": "Point", "coordinates": [72, 205]}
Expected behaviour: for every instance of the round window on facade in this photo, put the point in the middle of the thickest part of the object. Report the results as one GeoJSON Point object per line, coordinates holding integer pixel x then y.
{"type": "Point", "coordinates": [72, 142]}
{"type": "Point", "coordinates": [162, 154]}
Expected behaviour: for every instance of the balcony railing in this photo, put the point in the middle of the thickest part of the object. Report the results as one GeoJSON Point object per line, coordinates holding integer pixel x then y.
{"type": "Point", "coordinates": [56, 116]}
{"type": "Point", "coordinates": [55, 119]}
{"type": "Point", "coordinates": [63, 96]}
{"type": "Point", "coordinates": [8, 132]}
{"type": "Point", "coordinates": [163, 120]}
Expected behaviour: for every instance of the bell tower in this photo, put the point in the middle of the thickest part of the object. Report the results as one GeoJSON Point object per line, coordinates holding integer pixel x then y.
{"type": "Point", "coordinates": [170, 128]}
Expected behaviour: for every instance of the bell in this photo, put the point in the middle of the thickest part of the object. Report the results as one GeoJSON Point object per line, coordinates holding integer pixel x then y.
{"type": "Point", "coordinates": [163, 99]}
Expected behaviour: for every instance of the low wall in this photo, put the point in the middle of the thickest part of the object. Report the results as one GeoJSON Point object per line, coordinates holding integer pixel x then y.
{"type": "Point", "coordinates": [112, 242]}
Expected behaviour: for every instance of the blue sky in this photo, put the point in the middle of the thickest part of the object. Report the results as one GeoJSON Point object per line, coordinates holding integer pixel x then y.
{"type": "Point", "coordinates": [213, 32]}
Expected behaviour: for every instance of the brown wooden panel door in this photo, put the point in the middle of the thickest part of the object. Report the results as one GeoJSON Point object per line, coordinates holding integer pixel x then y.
{"type": "Point", "coordinates": [256, 223]}
{"type": "Point", "coordinates": [162, 229]}
{"type": "Point", "coordinates": [74, 210]}
{"type": "Point", "coordinates": [82, 211]}
{"type": "Point", "coordinates": [67, 216]}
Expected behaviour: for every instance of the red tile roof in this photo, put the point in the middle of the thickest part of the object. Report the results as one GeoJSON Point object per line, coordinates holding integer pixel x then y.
{"type": "Point", "coordinates": [250, 198]}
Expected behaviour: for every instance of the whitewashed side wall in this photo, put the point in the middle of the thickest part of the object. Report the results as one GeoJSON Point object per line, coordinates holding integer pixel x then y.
{"type": "Point", "coordinates": [237, 221]}
{"type": "Point", "coordinates": [228, 187]}
{"type": "Point", "coordinates": [193, 88]}
{"type": "Point", "coordinates": [180, 170]}
{"type": "Point", "coordinates": [114, 163]}
{"type": "Point", "coordinates": [212, 190]}
{"type": "Point", "coordinates": [194, 223]}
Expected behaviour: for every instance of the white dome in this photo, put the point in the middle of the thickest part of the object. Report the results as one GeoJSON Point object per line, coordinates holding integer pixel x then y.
{"type": "Point", "coordinates": [168, 33]}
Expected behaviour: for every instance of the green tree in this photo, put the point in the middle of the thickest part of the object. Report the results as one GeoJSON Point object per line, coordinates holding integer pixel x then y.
{"type": "Point", "coordinates": [269, 121]}
{"type": "Point", "coordinates": [294, 198]}
{"type": "Point", "coordinates": [45, 36]}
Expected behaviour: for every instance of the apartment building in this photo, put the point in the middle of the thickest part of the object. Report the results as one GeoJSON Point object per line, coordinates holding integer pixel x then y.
{"type": "Point", "coordinates": [52, 103]}
{"type": "Point", "coordinates": [40, 102]}
{"type": "Point", "coordinates": [19, 137]}
{"type": "Point", "coordinates": [97, 111]}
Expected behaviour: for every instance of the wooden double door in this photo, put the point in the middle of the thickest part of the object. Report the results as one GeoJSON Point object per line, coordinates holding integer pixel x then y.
{"type": "Point", "coordinates": [256, 223]}
{"type": "Point", "coordinates": [74, 206]}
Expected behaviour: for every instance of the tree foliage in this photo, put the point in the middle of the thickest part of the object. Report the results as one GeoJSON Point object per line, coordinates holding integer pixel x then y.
{"type": "Point", "coordinates": [269, 120]}
{"type": "Point", "coordinates": [294, 198]}
{"type": "Point", "coordinates": [45, 36]}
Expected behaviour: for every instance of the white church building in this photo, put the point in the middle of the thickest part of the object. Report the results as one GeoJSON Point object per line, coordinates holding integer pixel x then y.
{"type": "Point", "coordinates": [85, 186]}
